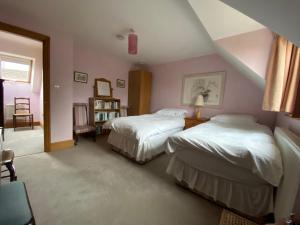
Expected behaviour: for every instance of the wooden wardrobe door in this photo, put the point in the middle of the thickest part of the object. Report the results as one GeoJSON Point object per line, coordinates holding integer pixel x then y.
{"type": "Point", "coordinates": [145, 95]}
{"type": "Point", "coordinates": [134, 93]}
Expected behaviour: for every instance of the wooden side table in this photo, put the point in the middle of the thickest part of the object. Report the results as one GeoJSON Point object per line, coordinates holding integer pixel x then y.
{"type": "Point", "coordinates": [192, 121]}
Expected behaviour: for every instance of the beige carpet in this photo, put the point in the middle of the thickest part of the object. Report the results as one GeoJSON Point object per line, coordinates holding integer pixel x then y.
{"type": "Point", "coordinates": [90, 184]}
{"type": "Point", "coordinates": [24, 141]}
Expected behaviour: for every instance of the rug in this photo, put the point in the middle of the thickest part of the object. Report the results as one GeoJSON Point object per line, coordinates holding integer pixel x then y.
{"type": "Point", "coordinates": [230, 218]}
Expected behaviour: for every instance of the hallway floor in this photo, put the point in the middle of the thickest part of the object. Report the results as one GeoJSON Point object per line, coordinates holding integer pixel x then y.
{"type": "Point", "coordinates": [24, 141]}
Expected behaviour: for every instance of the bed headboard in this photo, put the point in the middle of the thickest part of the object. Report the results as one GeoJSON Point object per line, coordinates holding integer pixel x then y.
{"type": "Point", "coordinates": [289, 145]}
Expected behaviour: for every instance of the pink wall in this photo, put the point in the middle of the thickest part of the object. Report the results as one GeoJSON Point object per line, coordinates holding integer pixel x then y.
{"type": "Point", "coordinates": [291, 123]}
{"type": "Point", "coordinates": [61, 72]}
{"type": "Point", "coordinates": [251, 48]}
{"type": "Point", "coordinates": [98, 66]}
{"type": "Point", "coordinates": [19, 89]}
{"type": "Point", "coordinates": [241, 95]}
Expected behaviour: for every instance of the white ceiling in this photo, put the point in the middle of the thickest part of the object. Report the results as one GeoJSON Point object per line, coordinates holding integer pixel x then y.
{"type": "Point", "coordinates": [221, 20]}
{"type": "Point", "coordinates": [168, 30]}
{"type": "Point", "coordinates": [20, 39]}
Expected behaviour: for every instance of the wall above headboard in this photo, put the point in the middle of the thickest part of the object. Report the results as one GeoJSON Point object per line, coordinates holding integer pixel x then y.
{"type": "Point", "coordinates": [240, 96]}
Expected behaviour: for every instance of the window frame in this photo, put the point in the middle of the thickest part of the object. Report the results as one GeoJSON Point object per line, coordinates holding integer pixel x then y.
{"type": "Point", "coordinates": [2, 55]}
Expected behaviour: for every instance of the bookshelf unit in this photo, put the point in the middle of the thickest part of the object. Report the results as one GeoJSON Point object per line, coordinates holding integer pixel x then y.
{"type": "Point", "coordinates": [102, 110]}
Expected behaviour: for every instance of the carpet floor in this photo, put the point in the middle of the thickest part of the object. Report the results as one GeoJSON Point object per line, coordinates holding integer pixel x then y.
{"type": "Point", "coordinates": [24, 141]}
{"type": "Point", "coordinates": [91, 184]}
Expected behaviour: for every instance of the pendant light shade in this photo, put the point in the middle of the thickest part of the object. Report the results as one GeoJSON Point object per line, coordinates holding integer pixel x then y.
{"type": "Point", "coordinates": [132, 43]}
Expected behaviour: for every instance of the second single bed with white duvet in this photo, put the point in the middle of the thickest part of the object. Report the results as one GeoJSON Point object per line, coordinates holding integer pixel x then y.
{"type": "Point", "coordinates": [232, 159]}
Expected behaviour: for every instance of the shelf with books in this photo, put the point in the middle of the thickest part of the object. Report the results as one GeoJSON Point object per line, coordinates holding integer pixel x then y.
{"type": "Point", "coordinates": [102, 110]}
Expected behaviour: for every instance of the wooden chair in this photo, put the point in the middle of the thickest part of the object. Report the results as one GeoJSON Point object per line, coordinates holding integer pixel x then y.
{"type": "Point", "coordinates": [80, 121]}
{"type": "Point", "coordinates": [22, 110]}
{"type": "Point", "coordinates": [8, 161]}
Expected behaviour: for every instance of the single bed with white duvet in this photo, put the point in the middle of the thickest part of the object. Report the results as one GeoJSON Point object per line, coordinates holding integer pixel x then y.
{"type": "Point", "coordinates": [231, 159]}
{"type": "Point", "coordinates": [143, 137]}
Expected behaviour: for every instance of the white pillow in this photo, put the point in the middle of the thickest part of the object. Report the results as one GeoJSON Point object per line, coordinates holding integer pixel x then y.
{"type": "Point", "coordinates": [172, 112]}
{"type": "Point", "coordinates": [235, 118]}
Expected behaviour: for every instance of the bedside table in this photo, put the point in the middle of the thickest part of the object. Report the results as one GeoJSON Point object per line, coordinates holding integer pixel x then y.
{"type": "Point", "coordinates": [192, 121]}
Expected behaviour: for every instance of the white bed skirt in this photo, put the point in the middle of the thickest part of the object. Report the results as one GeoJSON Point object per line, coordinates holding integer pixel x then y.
{"type": "Point", "coordinates": [252, 200]}
{"type": "Point", "coordinates": [140, 151]}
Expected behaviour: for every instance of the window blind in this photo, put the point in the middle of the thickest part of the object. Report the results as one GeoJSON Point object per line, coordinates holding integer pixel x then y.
{"type": "Point", "coordinates": [15, 68]}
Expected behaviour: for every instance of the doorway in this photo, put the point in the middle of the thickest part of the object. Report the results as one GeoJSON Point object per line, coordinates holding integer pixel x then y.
{"type": "Point", "coordinates": [39, 96]}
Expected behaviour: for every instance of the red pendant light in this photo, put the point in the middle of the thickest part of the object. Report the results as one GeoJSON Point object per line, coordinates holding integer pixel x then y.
{"type": "Point", "coordinates": [132, 43]}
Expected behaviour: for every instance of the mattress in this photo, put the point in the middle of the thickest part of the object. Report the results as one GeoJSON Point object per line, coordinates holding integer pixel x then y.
{"type": "Point", "coordinates": [140, 151]}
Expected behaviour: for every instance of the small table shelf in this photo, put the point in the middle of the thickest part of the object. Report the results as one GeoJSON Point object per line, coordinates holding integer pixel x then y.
{"type": "Point", "coordinates": [102, 110]}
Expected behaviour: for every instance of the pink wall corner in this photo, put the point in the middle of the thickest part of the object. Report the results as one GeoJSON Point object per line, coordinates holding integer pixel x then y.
{"type": "Point", "coordinates": [241, 95]}
{"type": "Point", "coordinates": [253, 49]}
{"type": "Point", "coordinates": [98, 65]}
{"type": "Point", "coordinates": [61, 72]}
{"type": "Point", "coordinates": [288, 122]}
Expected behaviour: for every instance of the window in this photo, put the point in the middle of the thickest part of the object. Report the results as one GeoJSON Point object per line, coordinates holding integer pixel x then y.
{"type": "Point", "coordinates": [15, 68]}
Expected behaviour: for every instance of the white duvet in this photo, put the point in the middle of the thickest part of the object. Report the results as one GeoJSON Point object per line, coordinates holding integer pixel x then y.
{"type": "Point", "coordinates": [249, 146]}
{"type": "Point", "coordinates": [145, 126]}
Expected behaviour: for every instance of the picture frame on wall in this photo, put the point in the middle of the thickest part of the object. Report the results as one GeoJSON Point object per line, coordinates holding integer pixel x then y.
{"type": "Point", "coordinates": [120, 83]}
{"type": "Point", "coordinates": [80, 77]}
{"type": "Point", "coordinates": [102, 88]}
{"type": "Point", "coordinates": [210, 85]}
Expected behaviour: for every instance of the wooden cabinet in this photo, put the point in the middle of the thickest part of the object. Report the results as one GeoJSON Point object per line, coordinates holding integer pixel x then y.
{"type": "Point", "coordinates": [101, 110]}
{"type": "Point", "coordinates": [139, 92]}
{"type": "Point", "coordinates": [191, 122]}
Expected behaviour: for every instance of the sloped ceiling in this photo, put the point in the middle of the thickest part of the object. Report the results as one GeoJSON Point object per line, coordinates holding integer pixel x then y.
{"type": "Point", "coordinates": [167, 30]}
{"type": "Point", "coordinates": [221, 20]}
{"type": "Point", "coordinates": [280, 16]}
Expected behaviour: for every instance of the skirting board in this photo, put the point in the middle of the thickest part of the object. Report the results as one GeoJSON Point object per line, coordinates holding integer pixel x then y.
{"type": "Point", "coordinates": [61, 145]}
{"type": "Point", "coordinates": [9, 124]}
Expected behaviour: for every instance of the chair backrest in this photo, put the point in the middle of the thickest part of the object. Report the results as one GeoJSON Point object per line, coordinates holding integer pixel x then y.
{"type": "Point", "coordinates": [80, 114]}
{"type": "Point", "coordinates": [22, 105]}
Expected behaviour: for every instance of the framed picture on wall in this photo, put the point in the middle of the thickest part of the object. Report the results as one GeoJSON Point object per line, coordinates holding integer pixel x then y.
{"type": "Point", "coordinates": [120, 83]}
{"type": "Point", "coordinates": [209, 85]}
{"type": "Point", "coordinates": [80, 77]}
{"type": "Point", "coordinates": [102, 88]}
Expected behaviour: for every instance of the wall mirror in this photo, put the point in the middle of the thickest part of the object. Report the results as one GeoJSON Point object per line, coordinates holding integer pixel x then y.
{"type": "Point", "coordinates": [103, 88]}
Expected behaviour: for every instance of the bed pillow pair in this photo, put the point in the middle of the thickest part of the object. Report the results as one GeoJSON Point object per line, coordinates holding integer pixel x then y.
{"type": "Point", "coordinates": [235, 118]}
{"type": "Point", "coordinates": [172, 112]}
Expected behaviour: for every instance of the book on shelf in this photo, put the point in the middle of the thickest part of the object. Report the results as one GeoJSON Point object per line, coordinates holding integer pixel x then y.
{"type": "Point", "coordinates": [101, 104]}
{"type": "Point", "coordinates": [104, 116]}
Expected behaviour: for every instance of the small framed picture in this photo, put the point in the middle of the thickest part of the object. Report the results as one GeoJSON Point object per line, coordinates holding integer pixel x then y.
{"type": "Point", "coordinates": [80, 77]}
{"type": "Point", "coordinates": [120, 83]}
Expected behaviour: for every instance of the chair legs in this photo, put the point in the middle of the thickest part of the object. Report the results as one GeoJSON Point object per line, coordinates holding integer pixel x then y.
{"type": "Point", "coordinates": [30, 121]}
{"type": "Point", "coordinates": [12, 171]}
{"type": "Point", "coordinates": [75, 136]}
{"type": "Point", "coordinates": [14, 122]}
